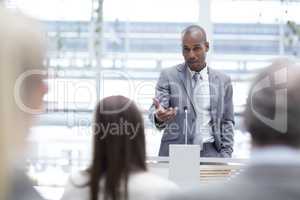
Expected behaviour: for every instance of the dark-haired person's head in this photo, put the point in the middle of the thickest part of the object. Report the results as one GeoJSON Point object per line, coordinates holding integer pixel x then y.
{"type": "Point", "coordinates": [118, 146]}
{"type": "Point", "coordinates": [272, 112]}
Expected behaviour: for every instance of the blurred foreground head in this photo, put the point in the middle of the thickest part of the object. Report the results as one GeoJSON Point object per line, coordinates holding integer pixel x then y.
{"type": "Point", "coordinates": [119, 146]}
{"type": "Point", "coordinates": [272, 114]}
{"type": "Point", "coordinates": [21, 51]}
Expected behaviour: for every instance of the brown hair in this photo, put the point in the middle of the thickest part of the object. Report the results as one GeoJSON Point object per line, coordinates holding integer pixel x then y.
{"type": "Point", "coordinates": [283, 76]}
{"type": "Point", "coordinates": [118, 146]}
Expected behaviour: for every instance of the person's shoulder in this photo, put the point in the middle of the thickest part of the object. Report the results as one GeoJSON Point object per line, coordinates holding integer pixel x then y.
{"type": "Point", "coordinates": [146, 186]}
{"type": "Point", "coordinates": [79, 178]}
{"type": "Point", "coordinates": [145, 181]}
{"type": "Point", "coordinates": [172, 69]}
{"type": "Point", "coordinates": [22, 186]}
{"type": "Point", "coordinates": [219, 74]}
{"type": "Point", "coordinates": [76, 186]}
{"type": "Point", "coordinates": [204, 191]}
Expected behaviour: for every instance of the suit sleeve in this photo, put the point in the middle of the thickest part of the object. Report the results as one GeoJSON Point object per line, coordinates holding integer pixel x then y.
{"type": "Point", "coordinates": [162, 93]}
{"type": "Point", "coordinates": [227, 122]}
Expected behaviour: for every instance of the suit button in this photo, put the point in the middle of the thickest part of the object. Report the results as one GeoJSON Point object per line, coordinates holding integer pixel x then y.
{"type": "Point", "coordinates": [193, 120]}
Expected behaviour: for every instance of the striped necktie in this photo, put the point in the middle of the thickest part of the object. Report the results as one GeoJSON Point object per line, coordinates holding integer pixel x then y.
{"type": "Point", "coordinates": [196, 78]}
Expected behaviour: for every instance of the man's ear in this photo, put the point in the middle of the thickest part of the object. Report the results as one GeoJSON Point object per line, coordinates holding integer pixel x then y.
{"type": "Point", "coordinates": [42, 91]}
{"type": "Point", "coordinates": [207, 46]}
{"type": "Point", "coordinates": [38, 90]}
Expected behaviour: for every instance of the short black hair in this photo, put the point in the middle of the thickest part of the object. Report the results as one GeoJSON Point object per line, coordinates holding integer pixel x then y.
{"type": "Point", "coordinates": [194, 28]}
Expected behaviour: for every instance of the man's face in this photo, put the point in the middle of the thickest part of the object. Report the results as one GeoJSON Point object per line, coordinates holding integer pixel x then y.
{"type": "Point", "coordinates": [194, 50]}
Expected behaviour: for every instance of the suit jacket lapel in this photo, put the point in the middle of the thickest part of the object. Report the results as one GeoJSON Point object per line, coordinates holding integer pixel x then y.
{"type": "Point", "coordinates": [182, 69]}
{"type": "Point", "coordinates": [214, 92]}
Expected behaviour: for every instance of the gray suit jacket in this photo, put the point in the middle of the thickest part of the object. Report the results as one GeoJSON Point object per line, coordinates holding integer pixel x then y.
{"type": "Point", "coordinates": [174, 89]}
{"type": "Point", "coordinates": [261, 182]}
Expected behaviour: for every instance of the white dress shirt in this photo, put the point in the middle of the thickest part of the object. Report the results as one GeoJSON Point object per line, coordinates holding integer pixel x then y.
{"type": "Point", "coordinates": [201, 97]}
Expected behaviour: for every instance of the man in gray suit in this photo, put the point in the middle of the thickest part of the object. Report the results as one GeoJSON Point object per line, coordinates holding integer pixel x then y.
{"type": "Point", "coordinates": [204, 92]}
{"type": "Point", "coordinates": [272, 117]}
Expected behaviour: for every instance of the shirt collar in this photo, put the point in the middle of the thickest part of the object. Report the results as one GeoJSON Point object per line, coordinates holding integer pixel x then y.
{"type": "Point", "coordinates": [203, 72]}
{"type": "Point", "coordinates": [279, 155]}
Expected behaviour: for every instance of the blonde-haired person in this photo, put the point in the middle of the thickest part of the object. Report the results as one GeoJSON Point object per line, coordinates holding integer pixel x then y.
{"type": "Point", "coordinates": [21, 54]}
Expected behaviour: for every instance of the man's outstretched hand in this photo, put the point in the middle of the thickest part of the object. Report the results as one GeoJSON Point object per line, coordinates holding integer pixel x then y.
{"type": "Point", "coordinates": [163, 114]}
